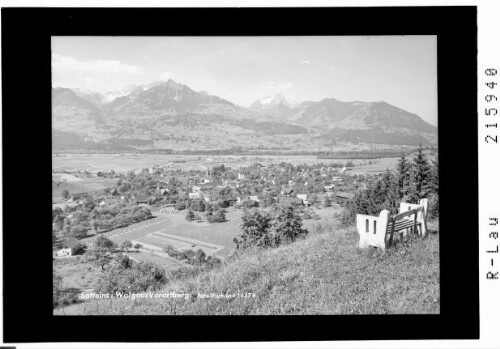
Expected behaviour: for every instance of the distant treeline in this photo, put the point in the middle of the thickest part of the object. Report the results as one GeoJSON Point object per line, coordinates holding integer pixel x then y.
{"type": "Point", "coordinates": [374, 137]}
{"type": "Point", "coordinates": [67, 142]}
{"type": "Point", "coordinates": [128, 142]}
{"type": "Point", "coordinates": [271, 128]}
{"type": "Point", "coordinates": [71, 142]}
{"type": "Point", "coordinates": [364, 154]}
{"type": "Point", "coordinates": [267, 127]}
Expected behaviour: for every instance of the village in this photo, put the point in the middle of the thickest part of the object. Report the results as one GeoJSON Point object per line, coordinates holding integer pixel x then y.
{"type": "Point", "coordinates": [157, 209]}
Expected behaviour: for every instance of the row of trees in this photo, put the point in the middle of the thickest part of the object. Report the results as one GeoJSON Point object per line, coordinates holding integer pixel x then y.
{"type": "Point", "coordinates": [196, 258]}
{"type": "Point", "coordinates": [79, 221]}
{"type": "Point", "coordinates": [414, 179]}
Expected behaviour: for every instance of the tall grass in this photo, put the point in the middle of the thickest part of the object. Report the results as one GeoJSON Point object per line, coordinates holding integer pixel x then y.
{"type": "Point", "coordinates": [324, 273]}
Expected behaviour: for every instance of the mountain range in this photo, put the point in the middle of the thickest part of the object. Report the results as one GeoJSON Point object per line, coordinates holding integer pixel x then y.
{"type": "Point", "coordinates": [171, 115]}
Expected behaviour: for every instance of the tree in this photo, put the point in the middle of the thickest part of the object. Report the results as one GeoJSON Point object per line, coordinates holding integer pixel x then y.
{"type": "Point", "coordinates": [190, 215]}
{"type": "Point", "coordinates": [126, 245]}
{"type": "Point", "coordinates": [256, 228]}
{"type": "Point", "coordinates": [378, 196]}
{"type": "Point", "coordinates": [137, 247]}
{"type": "Point", "coordinates": [78, 231]}
{"type": "Point", "coordinates": [124, 187]}
{"type": "Point", "coordinates": [57, 214]}
{"type": "Point", "coordinates": [218, 217]}
{"type": "Point", "coordinates": [434, 181]}
{"type": "Point", "coordinates": [434, 197]}
{"type": "Point", "coordinates": [421, 176]}
{"type": "Point", "coordinates": [199, 257]}
{"type": "Point", "coordinates": [100, 258]}
{"type": "Point", "coordinates": [65, 193]}
{"type": "Point", "coordinates": [288, 225]}
{"type": "Point", "coordinates": [123, 260]}
{"type": "Point", "coordinates": [198, 205]}
{"type": "Point", "coordinates": [403, 176]}
{"type": "Point", "coordinates": [326, 201]}
{"type": "Point", "coordinates": [391, 192]}
{"type": "Point", "coordinates": [103, 243]}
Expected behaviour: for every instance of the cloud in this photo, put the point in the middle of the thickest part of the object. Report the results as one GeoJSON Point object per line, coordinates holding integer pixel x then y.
{"type": "Point", "coordinates": [285, 86]}
{"type": "Point", "coordinates": [270, 84]}
{"type": "Point", "coordinates": [165, 76]}
{"type": "Point", "coordinates": [91, 81]}
{"type": "Point", "coordinates": [66, 65]}
{"type": "Point", "coordinates": [304, 62]}
{"type": "Point", "coordinates": [273, 86]}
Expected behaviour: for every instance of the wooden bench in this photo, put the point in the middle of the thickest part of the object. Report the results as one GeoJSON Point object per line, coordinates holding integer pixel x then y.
{"type": "Point", "coordinates": [374, 231]}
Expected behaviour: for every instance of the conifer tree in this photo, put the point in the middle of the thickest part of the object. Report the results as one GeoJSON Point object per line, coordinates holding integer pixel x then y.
{"type": "Point", "coordinates": [403, 176]}
{"type": "Point", "coordinates": [421, 176]}
{"type": "Point", "coordinates": [391, 192]}
{"type": "Point", "coordinates": [435, 175]}
{"type": "Point", "coordinates": [434, 197]}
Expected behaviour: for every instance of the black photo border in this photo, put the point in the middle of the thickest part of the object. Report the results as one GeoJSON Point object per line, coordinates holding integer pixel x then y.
{"type": "Point", "coordinates": [26, 141]}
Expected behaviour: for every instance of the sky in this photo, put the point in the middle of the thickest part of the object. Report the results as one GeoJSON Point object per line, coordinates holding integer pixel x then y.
{"type": "Point", "coordinates": [400, 70]}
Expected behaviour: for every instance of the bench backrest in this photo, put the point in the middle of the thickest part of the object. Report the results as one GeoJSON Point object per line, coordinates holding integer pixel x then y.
{"type": "Point", "coordinates": [372, 229]}
{"type": "Point", "coordinates": [404, 206]}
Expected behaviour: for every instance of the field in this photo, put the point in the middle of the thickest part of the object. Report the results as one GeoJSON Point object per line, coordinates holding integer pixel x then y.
{"type": "Point", "coordinates": [182, 234]}
{"type": "Point", "coordinates": [170, 228]}
{"type": "Point", "coordinates": [137, 232]}
{"type": "Point", "coordinates": [127, 162]}
{"type": "Point", "coordinates": [166, 263]}
{"type": "Point", "coordinates": [162, 240]}
{"type": "Point", "coordinates": [80, 186]}
{"type": "Point", "coordinates": [380, 165]}
{"type": "Point", "coordinates": [75, 275]}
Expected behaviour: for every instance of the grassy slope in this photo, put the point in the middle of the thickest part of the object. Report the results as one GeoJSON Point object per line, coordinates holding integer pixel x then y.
{"type": "Point", "coordinates": [323, 274]}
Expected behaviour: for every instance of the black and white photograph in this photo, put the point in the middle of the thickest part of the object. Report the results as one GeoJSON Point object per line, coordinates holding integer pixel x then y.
{"type": "Point", "coordinates": [245, 175]}
{"type": "Point", "coordinates": [249, 175]}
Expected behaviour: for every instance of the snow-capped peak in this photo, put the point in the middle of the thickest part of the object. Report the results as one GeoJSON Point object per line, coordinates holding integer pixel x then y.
{"type": "Point", "coordinates": [276, 100]}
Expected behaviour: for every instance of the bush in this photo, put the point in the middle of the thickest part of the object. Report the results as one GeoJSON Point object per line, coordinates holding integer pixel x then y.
{"type": "Point", "coordinates": [218, 217]}
{"type": "Point", "coordinates": [261, 230]}
{"type": "Point", "coordinates": [190, 216]}
{"type": "Point", "coordinates": [145, 276]}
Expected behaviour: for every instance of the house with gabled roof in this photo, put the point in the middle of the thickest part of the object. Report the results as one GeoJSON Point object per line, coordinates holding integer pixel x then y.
{"type": "Point", "coordinates": [141, 198]}
{"type": "Point", "coordinates": [69, 247]}
{"type": "Point", "coordinates": [290, 201]}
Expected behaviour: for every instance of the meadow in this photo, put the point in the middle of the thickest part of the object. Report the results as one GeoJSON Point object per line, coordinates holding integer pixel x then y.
{"type": "Point", "coordinates": [77, 275]}
{"type": "Point", "coordinates": [166, 263]}
{"type": "Point", "coordinates": [86, 185]}
{"type": "Point", "coordinates": [324, 273]}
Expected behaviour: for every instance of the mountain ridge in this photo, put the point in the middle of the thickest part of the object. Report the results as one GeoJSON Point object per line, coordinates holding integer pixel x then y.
{"type": "Point", "coordinates": [172, 114]}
